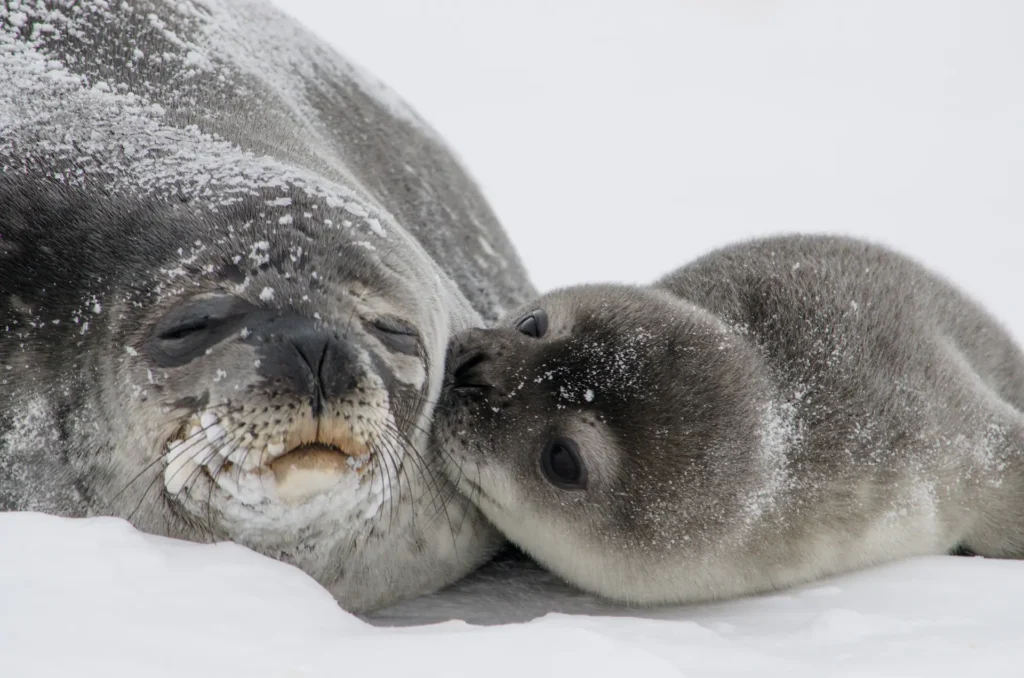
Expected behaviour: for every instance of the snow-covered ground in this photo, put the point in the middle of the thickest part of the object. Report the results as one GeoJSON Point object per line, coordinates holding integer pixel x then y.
{"type": "Point", "coordinates": [97, 598]}
{"type": "Point", "coordinates": [616, 140]}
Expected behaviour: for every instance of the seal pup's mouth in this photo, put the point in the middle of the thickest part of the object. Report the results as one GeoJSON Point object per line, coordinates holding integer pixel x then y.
{"type": "Point", "coordinates": [308, 457]}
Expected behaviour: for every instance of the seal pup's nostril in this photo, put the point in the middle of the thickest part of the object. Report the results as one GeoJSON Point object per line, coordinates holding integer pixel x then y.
{"type": "Point", "coordinates": [466, 372]}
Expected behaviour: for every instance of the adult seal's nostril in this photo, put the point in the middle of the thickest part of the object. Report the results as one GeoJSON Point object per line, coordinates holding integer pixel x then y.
{"type": "Point", "coordinates": [312, 349]}
{"type": "Point", "coordinates": [306, 359]}
{"type": "Point", "coordinates": [337, 370]}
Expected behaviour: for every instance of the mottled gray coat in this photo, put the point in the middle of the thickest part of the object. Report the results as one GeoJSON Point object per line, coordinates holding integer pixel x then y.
{"type": "Point", "coordinates": [158, 153]}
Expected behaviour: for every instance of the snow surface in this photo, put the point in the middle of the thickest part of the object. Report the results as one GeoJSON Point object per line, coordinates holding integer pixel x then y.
{"type": "Point", "coordinates": [95, 597]}
{"type": "Point", "coordinates": [685, 125]}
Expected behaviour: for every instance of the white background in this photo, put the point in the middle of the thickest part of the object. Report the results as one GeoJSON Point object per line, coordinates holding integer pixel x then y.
{"type": "Point", "coordinates": [618, 140]}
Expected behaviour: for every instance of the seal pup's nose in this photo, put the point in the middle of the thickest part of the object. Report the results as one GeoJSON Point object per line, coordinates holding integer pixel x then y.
{"type": "Point", "coordinates": [466, 368]}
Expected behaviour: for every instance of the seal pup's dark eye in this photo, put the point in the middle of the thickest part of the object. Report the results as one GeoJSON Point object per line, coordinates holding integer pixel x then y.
{"type": "Point", "coordinates": [396, 334]}
{"type": "Point", "coordinates": [563, 466]}
{"type": "Point", "coordinates": [534, 324]}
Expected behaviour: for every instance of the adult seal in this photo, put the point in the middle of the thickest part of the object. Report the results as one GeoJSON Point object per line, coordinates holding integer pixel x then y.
{"type": "Point", "coordinates": [230, 264]}
{"type": "Point", "coordinates": [775, 412]}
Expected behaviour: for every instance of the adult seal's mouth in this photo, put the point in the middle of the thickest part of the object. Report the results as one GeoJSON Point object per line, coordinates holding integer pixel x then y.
{"type": "Point", "coordinates": [315, 460]}
{"type": "Point", "coordinates": [292, 465]}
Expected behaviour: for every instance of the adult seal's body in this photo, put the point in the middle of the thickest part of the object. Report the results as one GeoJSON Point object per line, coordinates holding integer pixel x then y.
{"type": "Point", "coordinates": [775, 412]}
{"type": "Point", "coordinates": [229, 268]}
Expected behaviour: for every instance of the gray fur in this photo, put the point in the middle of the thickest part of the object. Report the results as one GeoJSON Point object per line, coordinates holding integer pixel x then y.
{"type": "Point", "coordinates": [155, 153]}
{"type": "Point", "coordinates": [774, 412]}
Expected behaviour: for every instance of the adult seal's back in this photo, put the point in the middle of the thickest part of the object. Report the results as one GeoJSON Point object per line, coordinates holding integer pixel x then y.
{"type": "Point", "coordinates": [229, 267]}
{"type": "Point", "coordinates": [774, 412]}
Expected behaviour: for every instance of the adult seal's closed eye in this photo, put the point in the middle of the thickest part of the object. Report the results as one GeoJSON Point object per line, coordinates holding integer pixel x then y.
{"type": "Point", "coordinates": [230, 264]}
{"type": "Point", "coordinates": [772, 413]}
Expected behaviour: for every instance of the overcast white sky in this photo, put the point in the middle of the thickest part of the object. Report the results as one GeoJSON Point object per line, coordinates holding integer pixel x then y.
{"type": "Point", "coordinates": [617, 140]}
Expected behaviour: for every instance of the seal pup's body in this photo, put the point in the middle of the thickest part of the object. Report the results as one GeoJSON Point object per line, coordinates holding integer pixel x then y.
{"type": "Point", "coordinates": [230, 264]}
{"type": "Point", "coordinates": [772, 413]}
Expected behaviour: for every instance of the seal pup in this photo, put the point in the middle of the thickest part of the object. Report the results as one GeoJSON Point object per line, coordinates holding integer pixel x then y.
{"type": "Point", "coordinates": [230, 264]}
{"type": "Point", "coordinates": [774, 412]}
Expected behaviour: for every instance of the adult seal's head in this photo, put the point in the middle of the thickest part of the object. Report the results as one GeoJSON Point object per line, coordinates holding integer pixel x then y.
{"type": "Point", "coordinates": [229, 268]}
{"type": "Point", "coordinates": [772, 413]}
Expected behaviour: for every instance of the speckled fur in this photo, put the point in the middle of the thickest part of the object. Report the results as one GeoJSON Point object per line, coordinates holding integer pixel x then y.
{"type": "Point", "coordinates": [775, 412]}
{"type": "Point", "coordinates": [154, 151]}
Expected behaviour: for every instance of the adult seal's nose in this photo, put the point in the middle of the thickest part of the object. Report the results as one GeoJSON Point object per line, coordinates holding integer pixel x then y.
{"type": "Point", "coordinates": [302, 356]}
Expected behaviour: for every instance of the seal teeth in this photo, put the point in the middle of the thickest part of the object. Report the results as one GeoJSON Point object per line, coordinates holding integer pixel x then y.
{"type": "Point", "coordinates": [208, 419]}
{"type": "Point", "coordinates": [275, 448]}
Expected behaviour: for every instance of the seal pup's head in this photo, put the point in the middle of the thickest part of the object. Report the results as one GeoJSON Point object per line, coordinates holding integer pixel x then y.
{"type": "Point", "coordinates": [606, 430]}
{"type": "Point", "coordinates": [265, 373]}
